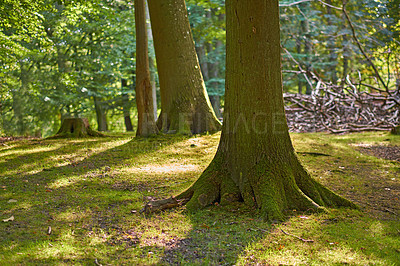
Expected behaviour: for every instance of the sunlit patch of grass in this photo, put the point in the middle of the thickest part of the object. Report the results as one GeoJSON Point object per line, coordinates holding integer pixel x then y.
{"type": "Point", "coordinates": [62, 182]}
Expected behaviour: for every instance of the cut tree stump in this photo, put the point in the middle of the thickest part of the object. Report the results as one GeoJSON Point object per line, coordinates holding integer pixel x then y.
{"type": "Point", "coordinates": [395, 130]}
{"type": "Point", "coordinates": [76, 128]}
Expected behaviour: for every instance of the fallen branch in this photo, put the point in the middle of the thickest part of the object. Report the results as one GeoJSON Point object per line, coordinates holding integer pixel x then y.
{"type": "Point", "coordinates": [159, 205]}
{"type": "Point", "coordinates": [299, 238]}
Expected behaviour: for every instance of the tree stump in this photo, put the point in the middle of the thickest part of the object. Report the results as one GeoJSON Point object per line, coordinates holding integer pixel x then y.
{"type": "Point", "coordinates": [395, 130]}
{"type": "Point", "coordinates": [76, 128]}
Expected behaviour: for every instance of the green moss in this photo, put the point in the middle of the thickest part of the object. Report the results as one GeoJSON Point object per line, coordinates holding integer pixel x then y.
{"type": "Point", "coordinates": [86, 190]}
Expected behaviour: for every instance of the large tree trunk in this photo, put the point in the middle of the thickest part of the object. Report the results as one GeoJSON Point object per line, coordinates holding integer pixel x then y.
{"type": "Point", "coordinates": [185, 107]}
{"type": "Point", "coordinates": [144, 95]}
{"type": "Point", "coordinates": [255, 161]}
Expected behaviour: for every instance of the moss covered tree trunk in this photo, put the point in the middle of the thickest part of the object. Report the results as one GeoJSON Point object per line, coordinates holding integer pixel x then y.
{"type": "Point", "coordinates": [255, 161]}
{"type": "Point", "coordinates": [76, 128]}
{"type": "Point", "coordinates": [144, 95]}
{"type": "Point", "coordinates": [185, 107]}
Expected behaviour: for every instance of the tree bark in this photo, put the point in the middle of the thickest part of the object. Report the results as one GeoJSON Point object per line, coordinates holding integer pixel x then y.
{"type": "Point", "coordinates": [331, 46]}
{"type": "Point", "coordinates": [185, 107]}
{"type": "Point", "coordinates": [151, 64]}
{"type": "Point", "coordinates": [255, 161]}
{"type": "Point", "coordinates": [144, 94]}
{"type": "Point", "coordinates": [76, 128]}
{"type": "Point", "coordinates": [126, 107]}
{"type": "Point", "coordinates": [305, 27]}
{"type": "Point", "coordinates": [100, 114]}
{"type": "Point", "coordinates": [19, 101]}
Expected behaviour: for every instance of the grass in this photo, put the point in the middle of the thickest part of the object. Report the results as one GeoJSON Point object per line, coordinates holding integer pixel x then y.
{"type": "Point", "coordinates": [88, 193]}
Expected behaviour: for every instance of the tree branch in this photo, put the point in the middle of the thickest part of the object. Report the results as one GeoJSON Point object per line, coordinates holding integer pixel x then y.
{"type": "Point", "coordinates": [294, 3]}
{"type": "Point", "coordinates": [362, 49]}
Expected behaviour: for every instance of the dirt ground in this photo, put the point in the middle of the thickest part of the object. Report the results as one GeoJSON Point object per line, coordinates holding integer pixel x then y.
{"type": "Point", "coordinates": [386, 204]}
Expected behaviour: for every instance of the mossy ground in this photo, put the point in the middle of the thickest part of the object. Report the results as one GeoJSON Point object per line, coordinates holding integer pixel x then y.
{"type": "Point", "coordinates": [89, 193]}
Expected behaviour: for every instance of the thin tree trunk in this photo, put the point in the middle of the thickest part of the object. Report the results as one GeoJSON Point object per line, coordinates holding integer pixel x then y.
{"type": "Point", "coordinates": [214, 74]}
{"type": "Point", "coordinates": [144, 94]}
{"type": "Point", "coordinates": [299, 76]}
{"type": "Point", "coordinates": [100, 114]}
{"type": "Point", "coordinates": [18, 100]}
{"type": "Point", "coordinates": [185, 107]}
{"type": "Point", "coordinates": [346, 52]}
{"type": "Point", "coordinates": [126, 107]}
{"type": "Point", "coordinates": [151, 63]}
{"type": "Point", "coordinates": [331, 46]}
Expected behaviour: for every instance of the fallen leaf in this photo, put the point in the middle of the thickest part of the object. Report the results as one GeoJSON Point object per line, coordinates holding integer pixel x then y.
{"type": "Point", "coordinates": [9, 219]}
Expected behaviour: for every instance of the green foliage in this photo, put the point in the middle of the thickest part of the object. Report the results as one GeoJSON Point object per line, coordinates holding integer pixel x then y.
{"type": "Point", "coordinates": [72, 51]}
{"type": "Point", "coordinates": [83, 50]}
{"type": "Point", "coordinates": [207, 20]}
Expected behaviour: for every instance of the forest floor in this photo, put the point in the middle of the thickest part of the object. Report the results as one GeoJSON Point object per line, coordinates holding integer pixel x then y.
{"type": "Point", "coordinates": [77, 202]}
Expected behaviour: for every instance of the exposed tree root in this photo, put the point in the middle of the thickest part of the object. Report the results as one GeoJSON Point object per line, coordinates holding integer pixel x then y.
{"type": "Point", "coordinates": [278, 190]}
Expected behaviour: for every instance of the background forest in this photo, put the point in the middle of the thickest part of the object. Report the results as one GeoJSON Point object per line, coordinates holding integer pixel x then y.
{"type": "Point", "coordinates": [77, 58]}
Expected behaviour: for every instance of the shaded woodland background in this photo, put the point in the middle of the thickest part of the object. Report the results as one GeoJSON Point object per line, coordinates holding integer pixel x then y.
{"type": "Point", "coordinates": [77, 59]}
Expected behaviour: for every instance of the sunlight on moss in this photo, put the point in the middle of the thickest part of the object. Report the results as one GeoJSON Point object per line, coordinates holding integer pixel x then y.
{"type": "Point", "coordinates": [165, 168]}
{"type": "Point", "coordinates": [377, 229]}
{"type": "Point", "coordinates": [346, 255]}
{"type": "Point", "coordinates": [62, 182]}
{"type": "Point", "coordinates": [59, 250]}
{"type": "Point", "coordinates": [17, 151]}
{"type": "Point", "coordinates": [73, 215]}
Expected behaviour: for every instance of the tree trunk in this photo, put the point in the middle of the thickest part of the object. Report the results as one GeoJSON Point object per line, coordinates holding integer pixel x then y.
{"type": "Point", "coordinates": [144, 95]}
{"type": "Point", "coordinates": [214, 74]}
{"type": "Point", "coordinates": [100, 114]}
{"type": "Point", "coordinates": [185, 107]}
{"type": "Point", "coordinates": [331, 46]}
{"type": "Point", "coordinates": [151, 64]}
{"type": "Point", "coordinates": [346, 54]}
{"type": "Point", "coordinates": [76, 128]}
{"type": "Point", "coordinates": [305, 26]}
{"type": "Point", "coordinates": [126, 107]}
{"type": "Point", "coordinates": [255, 161]}
{"type": "Point", "coordinates": [299, 76]}
{"type": "Point", "coordinates": [207, 72]}
{"type": "Point", "coordinates": [18, 100]}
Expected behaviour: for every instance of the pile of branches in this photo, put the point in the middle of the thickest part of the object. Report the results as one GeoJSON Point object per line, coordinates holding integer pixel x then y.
{"type": "Point", "coordinates": [342, 109]}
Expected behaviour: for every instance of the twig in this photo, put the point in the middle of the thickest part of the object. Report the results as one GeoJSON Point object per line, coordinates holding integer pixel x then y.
{"type": "Point", "coordinates": [294, 3]}
{"type": "Point", "coordinates": [97, 262]}
{"type": "Point", "coordinates": [392, 212]}
{"type": "Point", "coordinates": [299, 238]}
